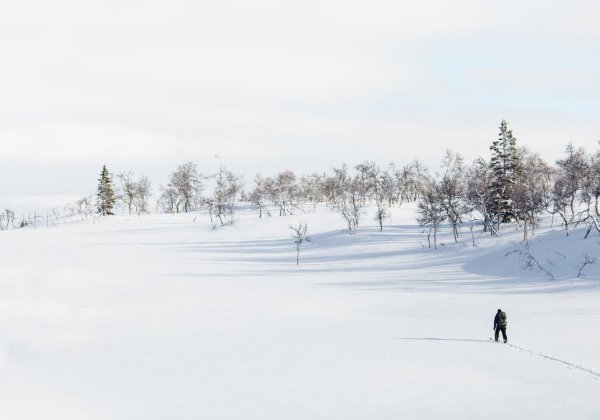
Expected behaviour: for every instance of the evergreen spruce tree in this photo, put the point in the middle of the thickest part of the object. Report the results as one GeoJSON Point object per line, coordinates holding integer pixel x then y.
{"type": "Point", "coordinates": [505, 169]}
{"type": "Point", "coordinates": [105, 200]}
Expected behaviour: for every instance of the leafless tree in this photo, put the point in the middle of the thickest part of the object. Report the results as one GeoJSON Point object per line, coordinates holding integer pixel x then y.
{"type": "Point", "coordinates": [591, 220]}
{"type": "Point", "coordinates": [170, 200]}
{"type": "Point", "coordinates": [300, 236]}
{"type": "Point", "coordinates": [143, 191]}
{"type": "Point", "coordinates": [282, 191]}
{"type": "Point", "coordinates": [52, 217]}
{"type": "Point", "coordinates": [367, 182]}
{"type": "Point", "coordinates": [330, 190]}
{"type": "Point", "coordinates": [221, 204]}
{"type": "Point", "coordinates": [134, 195]}
{"type": "Point", "coordinates": [532, 191]}
{"type": "Point", "coordinates": [407, 184]}
{"type": "Point", "coordinates": [10, 218]}
{"type": "Point", "coordinates": [561, 200]}
{"type": "Point", "coordinates": [236, 184]}
{"type": "Point", "coordinates": [347, 198]}
{"type": "Point", "coordinates": [451, 191]}
{"type": "Point", "coordinates": [186, 181]}
{"type": "Point", "coordinates": [479, 195]}
{"type": "Point", "coordinates": [35, 219]}
{"type": "Point", "coordinates": [472, 221]}
{"type": "Point", "coordinates": [127, 190]}
{"type": "Point", "coordinates": [311, 189]}
{"type": "Point", "coordinates": [431, 212]}
{"type": "Point", "coordinates": [572, 171]}
{"type": "Point", "coordinates": [82, 207]}
{"type": "Point", "coordinates": [381, 212]}
{"type": "Point", "coordinates": [390, 193]}
{"type": "Point", "coordinates": [595, 181]}
{"type": "Point", "coordinates": [258, 196]}
{"type": "Point", "coordinates": [332, 187]}
{"type": "Point", "coordinates": [419, 179]}
{"type": "Point", "coordinates": [591, 186]}
{"type": "Point", "coordinates": [7, 219]}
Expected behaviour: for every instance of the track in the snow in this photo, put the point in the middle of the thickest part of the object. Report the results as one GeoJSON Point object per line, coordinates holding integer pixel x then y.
{"type": "Point", "coordinates": [556, 360]}
{"type": "Point", "coordinates": [587, 370]}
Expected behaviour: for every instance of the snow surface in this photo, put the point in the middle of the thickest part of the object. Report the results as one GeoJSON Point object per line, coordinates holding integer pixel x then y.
{"type": "Point", "coordinates": [164, 317]}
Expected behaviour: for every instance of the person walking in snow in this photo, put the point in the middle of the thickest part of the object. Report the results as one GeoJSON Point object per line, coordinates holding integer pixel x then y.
{"type": "Point", "coordinates": [500, 324]}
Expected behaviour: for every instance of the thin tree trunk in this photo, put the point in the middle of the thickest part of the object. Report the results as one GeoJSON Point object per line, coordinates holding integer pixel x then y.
{"type": "Point", "coordinates": [429, 237]}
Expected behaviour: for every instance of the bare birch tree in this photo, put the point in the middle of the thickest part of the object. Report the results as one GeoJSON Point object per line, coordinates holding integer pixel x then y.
{"type": "Point", "coordinates": [300, 237]}
{"type": "Point", "coordinates": [431, 213]}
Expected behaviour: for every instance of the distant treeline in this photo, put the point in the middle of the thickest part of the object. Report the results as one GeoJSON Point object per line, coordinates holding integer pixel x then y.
{"type": "Point", "coordinates": [514, 185]}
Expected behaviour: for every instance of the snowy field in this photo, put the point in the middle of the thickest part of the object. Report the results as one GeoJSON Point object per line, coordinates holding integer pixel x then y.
{"type": "Point", "coordinates": [164, 317]}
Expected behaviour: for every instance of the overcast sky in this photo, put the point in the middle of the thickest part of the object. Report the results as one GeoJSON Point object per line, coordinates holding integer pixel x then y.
{"type": "Point", "coordinates": [269, 85]}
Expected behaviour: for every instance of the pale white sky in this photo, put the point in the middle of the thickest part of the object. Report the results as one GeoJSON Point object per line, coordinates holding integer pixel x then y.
{"type": "Point", "coordinates": [270, 85]}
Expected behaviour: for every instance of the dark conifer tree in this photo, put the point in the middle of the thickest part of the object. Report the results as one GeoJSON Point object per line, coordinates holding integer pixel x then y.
{"type": "Point", "coordinates": [505, 168]}
{"type": "Point", "coordinates": [105, 199]}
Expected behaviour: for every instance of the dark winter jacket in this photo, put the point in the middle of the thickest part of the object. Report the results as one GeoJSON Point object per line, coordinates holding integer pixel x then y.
{"type": "Point", "coordinates": [500, 320]}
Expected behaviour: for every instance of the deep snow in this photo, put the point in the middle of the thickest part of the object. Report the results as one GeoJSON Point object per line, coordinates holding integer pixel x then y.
{"type": "Point", "coordinates": [164, 317]}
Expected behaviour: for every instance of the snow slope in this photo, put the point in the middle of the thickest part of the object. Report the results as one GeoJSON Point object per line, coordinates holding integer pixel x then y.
{"type": "Point", "coordinates": [164, 317]}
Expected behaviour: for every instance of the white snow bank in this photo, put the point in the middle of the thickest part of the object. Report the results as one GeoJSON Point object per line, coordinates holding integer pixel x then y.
{"type": "Point", "coordinates": [164, 317]}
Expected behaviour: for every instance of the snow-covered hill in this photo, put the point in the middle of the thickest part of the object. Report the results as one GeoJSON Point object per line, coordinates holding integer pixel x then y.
{"type": "Point", "coordinates": [165, 317]}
